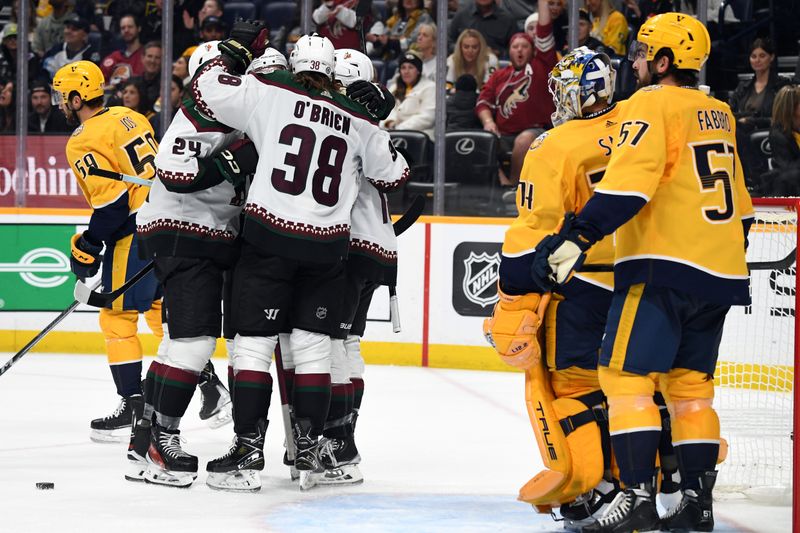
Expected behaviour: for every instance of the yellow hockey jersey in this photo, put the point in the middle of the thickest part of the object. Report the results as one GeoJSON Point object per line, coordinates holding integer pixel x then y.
{"type": "Point", "coordinates": [676, 149]}
{"type": "Point", "coordinates": [560, 172]}
{"type": "Point", "coordinates": [121, 140]}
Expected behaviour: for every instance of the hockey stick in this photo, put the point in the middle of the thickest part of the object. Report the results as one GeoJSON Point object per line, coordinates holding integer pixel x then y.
{"type": "Point", "coordinates": [87, 296]}
{"type": "Point", "coordinates": [33, 342]}
{"type": "Point", "coordinates": [403, 223]}
{"type": "Point", "coordinates": [117, 176]}
{"type": "Point", "coordinates": [780, 264]}
{"type": "Point", "coordinates": [285, 410]}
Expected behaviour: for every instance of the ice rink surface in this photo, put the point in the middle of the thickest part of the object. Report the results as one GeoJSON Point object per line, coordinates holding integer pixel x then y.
{"type": "Point", "coordinates": [443, 450]}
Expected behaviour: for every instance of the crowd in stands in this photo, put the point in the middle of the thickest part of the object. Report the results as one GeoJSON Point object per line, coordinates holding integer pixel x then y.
{"type": "Point", "coordinates": [500, 52]}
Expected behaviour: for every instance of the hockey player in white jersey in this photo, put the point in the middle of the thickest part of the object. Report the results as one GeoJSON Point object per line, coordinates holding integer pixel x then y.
{"type": "Point", "coordinates": [189, 227]}
{"type": "Point", "coordinates": [312, 144]}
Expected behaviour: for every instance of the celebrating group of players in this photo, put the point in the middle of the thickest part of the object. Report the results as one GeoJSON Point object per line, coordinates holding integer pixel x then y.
{"type": "Point", "coordinates": [267, 203]}
{"type": "Point", "coordinates": [619, 369]}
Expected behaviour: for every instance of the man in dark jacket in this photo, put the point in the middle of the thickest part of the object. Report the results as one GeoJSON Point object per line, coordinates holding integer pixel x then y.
{"type": "Point", "coordinates": [461, 105]}
{"type": "Point", "coordinates": [43, 118]}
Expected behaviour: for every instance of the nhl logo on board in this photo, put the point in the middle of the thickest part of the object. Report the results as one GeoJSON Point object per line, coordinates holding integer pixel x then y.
{"type": "Point", "coordinates": [476, 267]}
{"type": "Point", "coordinates": [322, 312]}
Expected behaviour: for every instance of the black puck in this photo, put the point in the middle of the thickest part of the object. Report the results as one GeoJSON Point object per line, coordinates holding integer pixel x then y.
{"type": "Point", "coordinates": [45, 485]}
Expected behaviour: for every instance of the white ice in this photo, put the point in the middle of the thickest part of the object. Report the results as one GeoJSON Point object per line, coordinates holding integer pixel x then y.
{"type": "Point", "coordinates": [443, 450]}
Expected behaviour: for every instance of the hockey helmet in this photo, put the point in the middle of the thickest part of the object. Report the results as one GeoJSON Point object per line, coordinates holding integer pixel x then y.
{"type": "Point", "coordinates": [313, 53]}
{"type": "Point", "coordinates": [201, 54]}
{"type": "Point", "coordinates": [686, 36]}
{"type": "Point", "coordinates": [352, 65]}
{"type": "Point", "coordinates": [270, 60]}
{"type": "Point", "coordinates": [83, 77]}
{"type": "Point", "coordinates": [582, 78]}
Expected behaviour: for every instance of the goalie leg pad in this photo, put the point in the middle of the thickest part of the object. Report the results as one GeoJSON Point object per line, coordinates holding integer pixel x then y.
{"type": "Point", "coordinates": [253, 353]}
{"type": "Point", "coordinates": [311, 352]}
{"type": "Point", "coordinates": [191, 354]}
{"type": "Point", "coordinates": [569, 440]}
{"type": "Point", "coordinates": [513, 328]}
{"type": "Point", "coordinates": [340, 370]}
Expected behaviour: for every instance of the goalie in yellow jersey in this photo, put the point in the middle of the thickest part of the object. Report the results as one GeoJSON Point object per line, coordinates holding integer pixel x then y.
{"type": "Point", "coordinates": [120, 140]}
{"type": "Point", "coordinates": [674, 193]}
{"type": "Point", "coordinates": [566, 406]}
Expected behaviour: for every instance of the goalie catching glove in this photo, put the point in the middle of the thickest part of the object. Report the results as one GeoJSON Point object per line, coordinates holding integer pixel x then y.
{"type": "Point", "coordinates": [248, 39]}
{"type": "Point", "coordinates": [512, 328]}
{"type": "Point", "coordinates": [559, 255]}
{"type": "Point", "coordinates": [375, 97]}
{"type": "Point", "coordinates": [84, 261]}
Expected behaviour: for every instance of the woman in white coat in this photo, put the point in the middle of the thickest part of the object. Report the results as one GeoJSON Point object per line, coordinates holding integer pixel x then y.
{"type": "Point", "coordinates": [415, 108]}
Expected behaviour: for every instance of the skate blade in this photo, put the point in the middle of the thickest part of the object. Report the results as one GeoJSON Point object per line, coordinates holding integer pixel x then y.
{"type": "Point", "coordinates": [221, 417]}
{"type": "Point", "coordinates": [308, 478]}
{"type": "Point", "coordinates": [344, 475]}
{"type": "Point", "coordinates": [135, 471]}
{"type": "Point", "coordinates": [239, 481]}
{"type": "Point", "coordinates": [156, 476]}
{"type": "Point", "coordinates": [104, 436]}
{"type": "Point", "coordinates": [294, 473]}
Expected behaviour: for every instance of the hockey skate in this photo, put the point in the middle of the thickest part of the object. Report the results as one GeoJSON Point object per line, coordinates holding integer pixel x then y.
{"type": "Point", "coordinates": [669, 493]}
{"type": "Point", "coordinates": [138, 444]}
{"type": "Point", "coordinates": [238, 470]}
{"type": "Point", "coordinates": [307, 460]}
{"type": "Point", "coordinates": [588, 506]}
{"type": "Point", "coordinates": [633, 509]}
{"type": "Point", "coordinates": [340, 458]}
{"type": "Point", "coordinates": [695, 511]}
{"type": "Point", "coordinates": [116, 426]}
{"type": "Point", "coordinates": [167, 462]}
{"type": "Point", "coordinates": [216, 409]}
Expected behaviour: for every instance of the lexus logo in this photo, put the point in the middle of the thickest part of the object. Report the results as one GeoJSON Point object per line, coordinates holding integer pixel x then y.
{"type": "Point", "coordinates": [465, 146]}
{"type": "Point", "coordinates": [766, 148]}
{"type": "Point", "coordinates": [399, 142]}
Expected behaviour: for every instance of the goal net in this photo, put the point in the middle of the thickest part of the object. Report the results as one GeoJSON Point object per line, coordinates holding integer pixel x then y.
{"type": "Point", "coordinates": [755, 372]}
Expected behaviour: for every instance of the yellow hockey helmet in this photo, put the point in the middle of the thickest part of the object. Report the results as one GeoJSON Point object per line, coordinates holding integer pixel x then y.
{"type": "Point", "coordinates": [83, 77]}
{"type": "Point", "coordinates": [686, 36]}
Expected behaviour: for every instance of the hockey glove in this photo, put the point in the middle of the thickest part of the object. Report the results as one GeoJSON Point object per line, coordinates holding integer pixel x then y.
{"type": "Point", "coordinates": [558, 256]}
{"type": "Point", "coordinates": [85, 258]}
{"type": "Point", "coordinates": [512, 328]}
{"type": "Point", "coordinates": [237, 162]}
{"type": "Point", "coordinates": [375, 97]}
{"type": "Point", "coordinates": [248, 39]}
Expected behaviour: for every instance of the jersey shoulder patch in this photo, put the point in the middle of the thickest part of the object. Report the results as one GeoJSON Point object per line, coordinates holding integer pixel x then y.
{"type": "Point", "coordinates": [537, 142]}
{"type": "Point", "coordinates": [77, 131]}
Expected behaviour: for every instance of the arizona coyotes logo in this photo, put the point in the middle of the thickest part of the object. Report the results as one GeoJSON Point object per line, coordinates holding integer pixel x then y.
{"type": "Point", "coordinates": [513, 94]}
{"type": "Point", "coordinates": [480, 278]}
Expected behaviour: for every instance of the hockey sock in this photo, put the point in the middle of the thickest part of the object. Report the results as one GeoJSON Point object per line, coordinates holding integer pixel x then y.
{"type": "Point", "coordinates": [636, 456]}
{"type": "Point", "coordinates": [694, 460]}
{"type": "Point", "coordinates": [358, 392]}
{"type": "Point", "coordinates": [289, 377]}
{"type": "Point", "coordinates": [312, 398]}
{"type": "Point", "coordinates": [176, 387]}
{"type": "Point", "coordinates": [127, 378]}
{"type": "Point", "coordinates": [251, 399]}
{"type": "Point", "coordinates": [336, 426]}
{"type": "Point", "coordinates": [231, 380]}
{"type": "Point", "coordinates": [148, 391]}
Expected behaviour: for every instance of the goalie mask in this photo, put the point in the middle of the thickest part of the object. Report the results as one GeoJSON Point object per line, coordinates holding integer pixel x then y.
{"type": "Point", "coordinates": [267, 62]}
{"type": "Point", "coordinates": [313, 53]}
{"type": "Point", "coordinates": [581, 79]}
{"type": "Point", "coordinates": [201, 54]}
{"type": "Point", "coordinates": [352, 65]}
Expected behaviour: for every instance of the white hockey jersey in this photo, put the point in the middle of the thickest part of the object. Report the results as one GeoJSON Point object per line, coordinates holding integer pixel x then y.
{"type": "Point", "coordinates": [311, 145]}
{"type": "Point", "coordinates": [373, 244]}
{"type": "Point", "coordinates": [189, 213]}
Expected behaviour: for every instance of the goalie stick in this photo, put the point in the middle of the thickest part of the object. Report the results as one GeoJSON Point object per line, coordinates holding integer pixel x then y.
{"type": "Point", "coordinates": [779, 264]}
{"type": "Point", "coordinates": [34, 341]}
{"type": "Point", "coordinates": [400, 226]}
{"type": "Point", "coordinates": [94, 171]}
{"type": "Point", "coordinates": [88, 296]}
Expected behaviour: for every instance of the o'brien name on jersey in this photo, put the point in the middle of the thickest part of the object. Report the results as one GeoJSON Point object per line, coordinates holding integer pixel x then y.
{"type": "Point", "coordinates": [322, 115]}
{"type": "Point", "coordinates": [712, 119]}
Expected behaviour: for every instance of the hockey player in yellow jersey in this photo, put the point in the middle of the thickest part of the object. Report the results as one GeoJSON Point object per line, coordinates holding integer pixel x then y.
{"type": "Point", "coordinates": [674, 193]}
{"type": "Point", "coordinates": [559, 174]}
{"type": "Point", "coordinates": [121, 140]}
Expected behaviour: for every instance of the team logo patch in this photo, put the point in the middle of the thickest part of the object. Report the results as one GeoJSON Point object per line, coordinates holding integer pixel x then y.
{"type": "Point", "coordinates": [322, 312]}
{"type": "Point", "coordinates": [77, 131]}
{"type": "Point", "coordinates": [476, 267]}
{"type": "Point", "coordinates": [537, 142]}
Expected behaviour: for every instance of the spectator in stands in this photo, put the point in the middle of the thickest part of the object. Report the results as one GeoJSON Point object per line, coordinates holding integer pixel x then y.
{"type": "Point", "coordinates": [180, 67]}
{"type": "Point", "coordinates": [608, 25]}
{"type": "Point", "coordinates": [50, 30]}
{"type": "Point", "coordinates": [425, 47]}
{"type": "Point", "coordinates": [149, 14]}
{"type": "Point", "coordinates": [150, 80]}
{"type": "Point", "coordinates": [211, 8]}
{"type": "Point", "coordinates": [415, 99]}
{"type": "Point", "coordinates": [518, 9]}
{"type": "Point", "coordinates": [471, 56]}
{"type": "Point", "coordinates": [76, 46]}
{"type": "Point", "coordinates": [120, 65]}
{"type": "Point", "coordinates": [175, 95]}
{"type": "Point", "coordinates": [401, 29]}
{"type": "Point", "coordinates": [784, 137]}
{"type": "Point", "coordinates": [638, 11]}
{"type": "Point", "coordinates": [212, 29]}
{"type": "Point", "coordinates": [558, 14]}
{"type": "Point", "coordinates": [461, 105]}
{"type": "Point", "coordinates": [495, 23]}
{"type": "Point", "coordinates": [43, 117]}
{"type": "Point", "coordinates": [515, 103]}
{"type": "Point", "coordinates": [584, 34]}
{"type": "Point", "coordinates": [8, 108]}
{"type": "Point", "coordinates": [133, 97]}
{"type": "Point", "coordinates": [336, 20]}
{"type": "Point", "coordinates": [752, 100]}
{"type": "Point", "coordinates": [8, 55]}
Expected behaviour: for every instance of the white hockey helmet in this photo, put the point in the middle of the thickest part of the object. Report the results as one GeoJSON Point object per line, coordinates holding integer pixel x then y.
{"type": "Point", "coordinates": [201, 54]}
{"type": "Point", "coordinates": [313, 53]}
{"type": "Point", "coordinates": [270, 60]}
{"type": "Point", "coordinates": [352, 65]}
